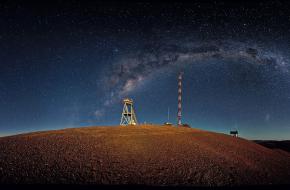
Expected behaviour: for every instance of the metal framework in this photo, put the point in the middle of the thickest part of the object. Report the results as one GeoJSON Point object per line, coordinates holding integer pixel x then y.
{"type": "Point", "coordinates": [179, 98]}
{"type": "Point", "coordinates": [128, 114]}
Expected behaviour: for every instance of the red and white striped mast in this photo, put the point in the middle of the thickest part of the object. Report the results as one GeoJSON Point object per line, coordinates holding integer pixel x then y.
{"type": "Point", "coordinates": [179, 98]}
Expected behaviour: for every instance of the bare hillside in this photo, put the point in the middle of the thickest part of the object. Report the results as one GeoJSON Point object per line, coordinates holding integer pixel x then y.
{"type": "Point", "coordinates": [150, 155]}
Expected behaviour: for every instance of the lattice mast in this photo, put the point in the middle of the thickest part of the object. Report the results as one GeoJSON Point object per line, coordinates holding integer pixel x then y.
{"type": "Point", "coordinates": [179, 98]}
{"type": "Point", "coordinates": [128, 115]}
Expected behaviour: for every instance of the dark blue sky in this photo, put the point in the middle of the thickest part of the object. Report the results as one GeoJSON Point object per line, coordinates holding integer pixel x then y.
{"type": "Point", "coordinates": [69, 64]}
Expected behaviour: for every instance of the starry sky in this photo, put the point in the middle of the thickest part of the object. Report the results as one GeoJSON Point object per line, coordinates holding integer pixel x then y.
{"type": "Point", "coordinates": [70, 63]}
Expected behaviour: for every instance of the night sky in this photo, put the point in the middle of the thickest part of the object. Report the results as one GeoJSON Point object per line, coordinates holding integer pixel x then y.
{"type": "Point", "coordinates": [69, 64]}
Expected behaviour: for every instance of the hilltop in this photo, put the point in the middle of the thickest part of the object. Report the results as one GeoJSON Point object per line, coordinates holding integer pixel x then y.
{"type": "Point", "coordinates": [148, 155]}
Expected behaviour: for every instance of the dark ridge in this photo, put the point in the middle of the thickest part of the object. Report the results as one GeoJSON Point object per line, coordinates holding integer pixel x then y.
{"type": "Point", "coordinates": [283, 145]}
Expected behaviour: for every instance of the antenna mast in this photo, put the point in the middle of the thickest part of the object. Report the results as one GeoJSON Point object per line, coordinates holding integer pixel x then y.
{"type": "Point", "coordinates": [179, 98]}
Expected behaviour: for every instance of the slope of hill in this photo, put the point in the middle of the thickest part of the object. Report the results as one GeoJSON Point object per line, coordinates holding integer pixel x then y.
{"type": "Point", "coordinates": [150, 155]}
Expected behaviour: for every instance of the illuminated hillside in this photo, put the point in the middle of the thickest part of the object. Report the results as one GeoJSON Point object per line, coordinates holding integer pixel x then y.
{"type": "Point", "coordinates": [154, 155]}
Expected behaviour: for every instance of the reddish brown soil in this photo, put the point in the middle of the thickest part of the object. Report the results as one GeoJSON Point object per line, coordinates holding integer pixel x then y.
{"type": "Point", "coordinates": [151, 155]}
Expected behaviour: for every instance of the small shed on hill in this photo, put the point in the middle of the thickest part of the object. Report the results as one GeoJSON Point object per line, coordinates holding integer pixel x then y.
{"type": "Point", "coordinates": [234, 133]}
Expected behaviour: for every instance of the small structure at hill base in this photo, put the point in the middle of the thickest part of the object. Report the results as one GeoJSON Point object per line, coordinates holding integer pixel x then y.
{"type": "Point", "coordinates": [234, 133]}
{"type": "Point", "coordinates": [128, 115]}
{"type": "Point", "coordinates": [185, 125]}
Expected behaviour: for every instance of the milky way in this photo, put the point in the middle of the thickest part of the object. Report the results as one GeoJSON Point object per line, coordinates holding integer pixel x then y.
{"type": "Point", "coordinates": [132, 70]}
{"type": "Point", "coordinates": [70, 64]}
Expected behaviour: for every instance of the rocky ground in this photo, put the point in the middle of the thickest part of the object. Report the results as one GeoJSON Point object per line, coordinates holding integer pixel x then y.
{"type": "Point", "coordinates": [148, 155]}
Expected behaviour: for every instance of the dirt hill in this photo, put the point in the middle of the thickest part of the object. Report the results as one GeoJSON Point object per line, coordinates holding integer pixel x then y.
{"type": "Point", "coordinates": [151, 155]}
